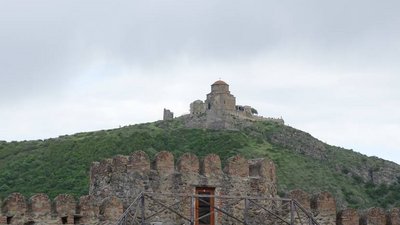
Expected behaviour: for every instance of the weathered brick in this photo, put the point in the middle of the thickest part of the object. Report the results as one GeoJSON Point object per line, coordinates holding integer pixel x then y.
{"type": "Point", "coordinates": [188, 163]}
{"type": "Point", "coordinates": [65, 206]}
{"type": "Point", "coordinates": [139, 161]}
{"type": "Point", "coordinates": [262, 167]}
{"type": "Point", "coordinates": [324, 207]}
{"type": "Point", "coordinates": [301, 197]}
{"type": "Point", "coordinates": [237, 166]}
{"type": "Point", "coordinates": [164, 163]}
{"type": "Point", "coordinates": [348, 217]}
{"type": "Point", "coordinates": [211, 165]}
{"type": "Point", "coordinates": [394, 216]}
{"type": "Point", "coordinates": [374, 216]}
{"type": "Point", "coordinates": [40, 206]}
{"type": "Point", "coordinates": [111, 209]}
{"type": "Point", "coordinates": [119, 163]}
{"type": "Point", "coordinates": [89, 210]}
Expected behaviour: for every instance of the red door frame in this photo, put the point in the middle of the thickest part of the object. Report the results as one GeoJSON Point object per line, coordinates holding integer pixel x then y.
{"type": "Point", "coordinates": [209, 191]}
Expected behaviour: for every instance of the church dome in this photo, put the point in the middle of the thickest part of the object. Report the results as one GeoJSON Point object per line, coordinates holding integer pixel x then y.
{"type": "Point", "coordinates": [219, 82]}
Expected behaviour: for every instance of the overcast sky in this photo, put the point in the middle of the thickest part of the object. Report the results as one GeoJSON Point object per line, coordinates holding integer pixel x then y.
{"type": "Point", "coordinates": [330, 68]}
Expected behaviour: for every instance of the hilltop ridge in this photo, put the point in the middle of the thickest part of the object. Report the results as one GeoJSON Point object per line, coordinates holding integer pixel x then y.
{"type": "Point", "coordinates": [61, 165]}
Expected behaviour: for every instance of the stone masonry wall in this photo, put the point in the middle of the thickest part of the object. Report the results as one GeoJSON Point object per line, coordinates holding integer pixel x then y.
{"type": "Point", "coordinates": [115, 182]}
{"type": "Point", "coordinates": [126, 176]}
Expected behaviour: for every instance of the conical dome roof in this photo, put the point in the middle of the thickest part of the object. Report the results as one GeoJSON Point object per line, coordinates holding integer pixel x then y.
{"type": "Point", "coordinates": [219, 82]}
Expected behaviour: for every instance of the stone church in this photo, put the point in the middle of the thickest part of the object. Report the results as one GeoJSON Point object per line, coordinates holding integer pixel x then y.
{"type": "Point", "coordinates": [219, 111]}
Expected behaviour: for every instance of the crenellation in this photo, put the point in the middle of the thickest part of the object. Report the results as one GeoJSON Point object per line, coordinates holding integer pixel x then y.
{"type": "Point", "coordinates": [139, 161]}
{"type": "Point", "coordinates": [237, 166]}
{"type": "Point", "coordinates": [374, 216]}
{"type": "Point", "coordinates": [262, 167]}
{"type": "Point", "coordinates": [40, 207]}
{"type": "Point", "coordinates": [301, 197]}
{"type": "Point", "coordinates": [115, 182]}
{"type": "Point", "coordinates": [211, 165]}
{"type": "Point", "coordinates": [323, 206]}
{"type": "Point", "coordinates": [394, 216]}
{"type": "Point", "coordinates": [14, 208]}
{"type": "Point", "coordinates": [119, 163]}
{"type": "Point", "coordinates": [102, 168]}
{"type": "Point", "coordinates": [188, 163]}
{"type": "Point", "coordinates": [65, 206]}
{"type": "Point", "coordinates": [164, 163]}
{"type": "Point", "coordinates": [348, 217]}
{"type": "Point", "coordinates": [88, 210]}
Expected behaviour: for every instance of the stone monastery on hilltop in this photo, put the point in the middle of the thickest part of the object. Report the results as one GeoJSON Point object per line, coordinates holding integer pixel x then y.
{"type": "Point", "coordinates": [219, 111]}
{"type": "Point", "coordinates": [159, 190]}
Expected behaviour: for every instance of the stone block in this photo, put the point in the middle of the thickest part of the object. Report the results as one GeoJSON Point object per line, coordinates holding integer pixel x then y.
{"type": "Point", "coordinates": [14, 205]}
{"type": "Point", "coordinates": [119, 163]}
{"type": "Point", "coordinates": [40, 206]}
{"type": "Point", "coordinates": [3, 219]}
{"type": "Point", "coordinates": [374, 216]}
{"type": "Point", "coordinates": [65, 206]}
{"type": "Point", "coordinates": [89, 210]}
{"type": "Point", "coordinates": [101, 169]}
{"type": "Point", "coordinates": [111, 209]}
{"type": "Point", "coordinates": [164, 163]}
{"type": "Point", "coordinates": [139, 161]}
{"type": "Point", "coordinates": [262, 168]}
{"type": "Point", "coordinates": [394, 216]}
{"type": "Point", "coordinates": [323, 206]}
{"type": "Point", "coordinates": [237, 166]}
{"type": "Point", "coordinates": [301, 197]}
{"type": "Point", "coordinates": [348, 217]}
{"type": "Point", "coordinates": [211, 165]}
{"type": "Point", "coordinates": [188, 163]}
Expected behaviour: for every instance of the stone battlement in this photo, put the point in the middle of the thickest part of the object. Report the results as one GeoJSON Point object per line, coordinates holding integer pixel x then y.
{"type": "Point", "coordinates": [115, 182]}
{"type": "Point", "coordinates": [65, 209]}
{"type": "Point", "coordinates": [127, 176]}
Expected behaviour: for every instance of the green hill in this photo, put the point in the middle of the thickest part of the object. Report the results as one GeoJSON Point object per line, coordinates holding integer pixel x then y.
{"type": "Point", "coordinates": [61, 165]}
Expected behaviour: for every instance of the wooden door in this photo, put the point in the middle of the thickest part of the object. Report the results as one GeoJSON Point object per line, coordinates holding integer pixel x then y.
{"type": "Point", "coordinates": [204, 206]}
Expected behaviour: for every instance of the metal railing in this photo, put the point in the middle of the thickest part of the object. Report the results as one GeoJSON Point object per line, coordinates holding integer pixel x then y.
{"type": "Point", "coordinates": [245, 210]}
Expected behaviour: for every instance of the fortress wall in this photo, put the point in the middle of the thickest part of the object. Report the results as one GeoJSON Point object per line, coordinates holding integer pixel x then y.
{"type": "Point", "coordinates": [64, 209]}
{"type": "Point", "coordinates": [115, 182]}
{"type": "Point", "coordinates": [163, 176]}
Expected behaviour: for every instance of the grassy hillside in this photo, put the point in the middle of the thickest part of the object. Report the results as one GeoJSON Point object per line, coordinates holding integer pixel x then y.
{"type": "Point", "coordinates": [61, 165]}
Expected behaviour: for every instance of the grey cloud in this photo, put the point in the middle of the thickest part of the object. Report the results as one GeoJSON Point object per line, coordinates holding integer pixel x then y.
{"type": "Point", "coordinates": [291, 55]}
